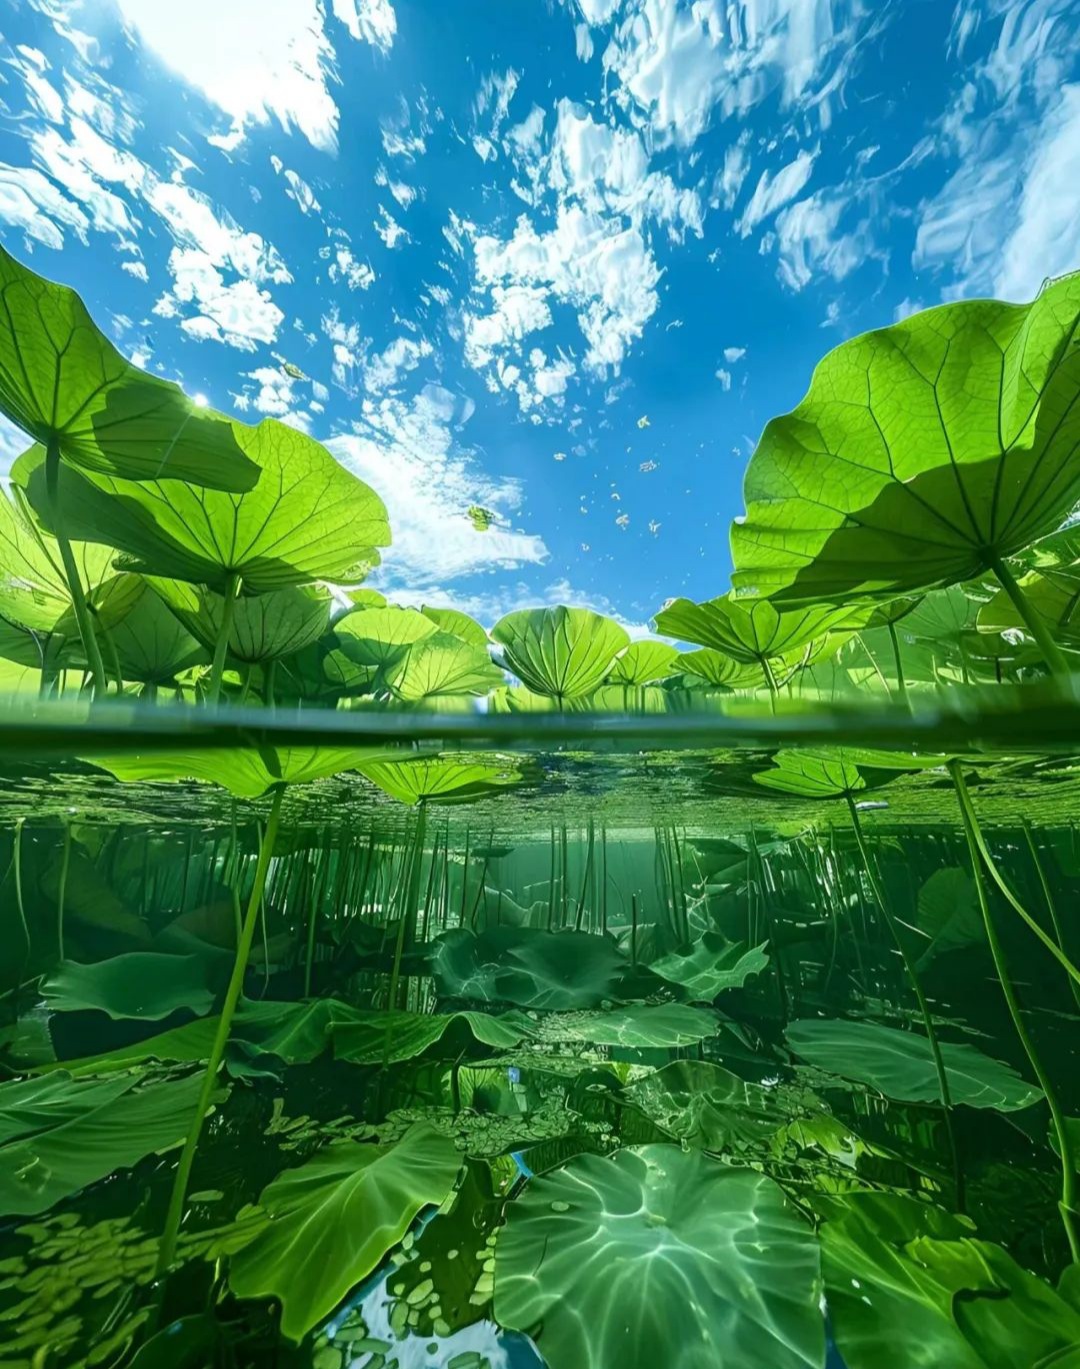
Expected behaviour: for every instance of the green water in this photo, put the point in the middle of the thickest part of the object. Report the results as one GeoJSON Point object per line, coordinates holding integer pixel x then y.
{"type": "Point", "coordinates": [609, 1034]}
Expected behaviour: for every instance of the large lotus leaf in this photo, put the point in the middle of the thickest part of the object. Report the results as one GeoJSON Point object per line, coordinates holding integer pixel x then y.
{"type": "Point", "coordinates": [442, 664]}
{"type": "Point", "coordinates": [831, 772]}
{"type": "Point", "coordinates": [900, 1065]}
{"type": "Point", "coordinates": [617, 698]}
{"type": "Point", "coordinates": [370, 1037]}
{"type": "Point", "coordinates": [941, 617]}
{"type": "Point", "coordinates": [906, 1284]}
{"type": "Point", "coordinates": [561, 652]}
{"type": "Point", "coordinates": [706, 1106]}
{"type": "Point", "coordinates": [150, 643]}
{"type": "Point", "coordinates": [656, 1256]}
{"type": "Point", "coordinates": [717, 668]}
{"type": "Point", "coordinates": [61, 379]}
{"type": "Point", "coordinates": [712, 965]}
{"type": "Point", "coordinates": [307, 519]}
{"type": "Point", "coordinates": [444, 779]}
{"type": "Point", "coordinates": [110, 1130]}
{"type": "Point", "coordinates": [751, 630]}
{"type": "Point", "coordinates": [527, 967]}
{"type": "Point", "coordinates": [948, 913]}
{"type": "Point", "coordinates": [380, 637]}
{"type": "Point", "coordinates": [639, 1026]}
{"type": "Point", "coordinates": [246, 772]}
{"type": "Point", "coordinates": [457, 624]}
{"type": "Point", "coordinates": [31, 1106]}
{"type": "Point", "coordinates": [264, 627]}
{"type": "Point", "coordinates": [140, 984]}
{"type": "Point", "coordinates": [920, 453]}
{"type": "Point", "coordinates": [334, 1219]}
{"type": "Point", "coordinates": [643, 662]}
{"type": "Point", "coordinates": [1053, 594]}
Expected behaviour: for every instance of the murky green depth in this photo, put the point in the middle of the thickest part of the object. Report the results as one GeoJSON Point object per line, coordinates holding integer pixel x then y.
{"type": "Point", "coordinates": [617, 1048]}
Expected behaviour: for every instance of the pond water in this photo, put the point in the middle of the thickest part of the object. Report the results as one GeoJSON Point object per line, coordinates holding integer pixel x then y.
{"type": "Point", "coordinates": [572, 1041]}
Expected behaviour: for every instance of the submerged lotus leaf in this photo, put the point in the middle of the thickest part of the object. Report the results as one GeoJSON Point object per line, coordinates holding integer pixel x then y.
{"type": "Point", "coordinates": [370, 1037]}
{"type": "Point", "coordinates": [442, 664]}
{"type": "Point", "coordinates": [526, 966]}
{"type": "Point", "coordinates": [139, 984]}
{"type": "Point", "coordinates": [907, 1284]}
{"type": "Point", "coordinates": [712, 965]}
{"type": "Point", "coordinates": [334, 1219]}
{"type": "Point", "coordinates": [106, 1128]}
{"type": "Point", "coordinates": [920, 453]}
{"type": "Point", "coordinates": [443, 779]}
{"type": "Point", "coordinates": [561, 652]}
{"type": "Point", "coordinates": [62, 380]}
{"type": "Point", "coordinates": [264, 627]}
{"type": "Point", "coordinates": [643, 662]}
{"type": "Point", "coordinates": [246, 772]}
{"type": "Point", "coordinates": [708, 1107]}
{"type": "Point", "coordinates": [948, 913]}
{"type": "Point", "coordinates": [656, 1256]}
{"type": "Point", "coordinates": [307, 519]}
{"type": "Point", "coordinates": [832, 772]}
{"type": "Point", "coordinates": [900, 1064]}
{"type": "Point", "coordinates": [639, 1026]}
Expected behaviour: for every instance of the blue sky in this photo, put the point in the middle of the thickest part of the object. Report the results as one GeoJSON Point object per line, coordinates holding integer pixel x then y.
{"type": "Point", "coordinates": [560, 259]}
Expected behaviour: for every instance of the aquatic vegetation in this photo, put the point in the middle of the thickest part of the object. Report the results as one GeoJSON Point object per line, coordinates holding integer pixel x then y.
{"type": "Point", "coordinates": [374, 976]}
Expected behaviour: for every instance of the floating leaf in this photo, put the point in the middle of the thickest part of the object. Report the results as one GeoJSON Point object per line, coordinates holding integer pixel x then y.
{"type": "Point", "coordinates": [920, 453]}
{"type": "Point", "coordinates": [641, 1026]}
{"type": "Point", "coordinates": [901, 1065]}
{"type": "Point", "coordinates": [656, 1256]}
{"type": "Point", "coordinates": [525, 966]}
{"type": "Point", "coordinates": [246, 772]}
{"type": "Point", "coordinates": [333, 1220]}
{"type": "Point", "coordinates": [561, 652]}
{"type": "Point", "coordinates": [140, 984]}
{"type": "Point", "coordinates": [442, 779]}
{"type": "Point", "coordinates": [62, 379]}
{"type": "Point", "coordinates": [711, 966]}
{"type": "Point", "coordinates": [370, 1037]}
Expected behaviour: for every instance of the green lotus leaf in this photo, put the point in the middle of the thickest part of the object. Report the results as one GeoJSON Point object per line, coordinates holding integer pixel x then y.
{"type": "Point", "coordinates": [378, 638]}
{"type": "Point", "coordinates": [246, 772]}
{"type": "Point", "coordinates": [900, 1065]}
{"type": "Point", "coordinates": [334, 1219]}
{"type": "Point", "coordinates": [264, 627]}
{"type": "Point", "coordinates": [442, 664]}
{"type": "Point", "coordinates": [458, 624]}
{"type": "Point", "coordinates": [307, 519]}
{"type": "Point", "coordinates": [525, 966]}
{"type": "Point", "coordinates": [140, 984]}
{"type": "Point", "coordinates": [656, 1256]}
{"type": "Point", "coordinates": [643, 662]}
{"type": "Point", "coordinates": [906, 1284]}
{"type": "Point", "coordinates": [712, 965]}
{"type": "Point", "coordinates": [561, 652]}
{"type": "Point", "coordinates": [29, 1107]}
{"type": "Point", "coordinates": [62, 380]}
{"type": "Point", "coordinates": [948, 913]}
{"type": "Point", "coordinates": [706, 1106]}
{"type": "Point", "coordinates": [106, 1128]}
{"type": "Point", "coordinates": [717, 668]}
{"type": "Point", "coordinates": [1053, 594]}
{"type": "Point", "coordinates": [922, 454]}
{"type": "Point", "coordinates": [444, 779]}
{"type": "Point", "coordinates": [640, 1026]}
{"type": "Point", "coordinates": [149, 642]}
{"type": "Point", "coordinates": [370, 1037]}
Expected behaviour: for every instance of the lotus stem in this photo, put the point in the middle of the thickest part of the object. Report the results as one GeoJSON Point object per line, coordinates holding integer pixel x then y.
{"type": "Point", "coordinates": [19, 904]}
{"type": "Point", "coordinates": [901, 682]}
{"type": "Point", "coordinates": [967, 808]}
{"type": "Point", "coordinates": [232, 589]}
{"type": "Point", "coordinates": [71, 570]}
{"type": "Point", "coordinates": [1036, 625]}
{"type": "Point", "coordinates": [1067, 1205]}
{"type": "Point", "coordinates": [61, 892]}
{"type": "Point", "coordinates": [1044, 883]}
{"type": "Point", "coordinates": [174, 1217]}
{"type": "Point", "coordinates": [924, 1008]}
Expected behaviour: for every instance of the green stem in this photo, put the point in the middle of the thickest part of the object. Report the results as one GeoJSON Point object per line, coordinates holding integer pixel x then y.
{"type": "Point", "coordinates": [65, 860]}
{"type": "Point", "coordinates": [901, 683]}
{"type": "Point", "coordinates": [1049, 897]}
{"type": "Point", "coordinates": [968, 809]}
{"type": "Point", "coordinates": [232, 589]}
{"type": "Point", "coordinates": [71, 570]}
{"type": "Point", "coordinates": [1036, 625]}
{"type": "Point", "coordinates": [924, 1007]}
{"type": "Point", "coordinates": [1067, 1206]}
{"type": "Point", "coordinates": [19, 904]}
{"type": "Point", "coordinates": [171, 1234]}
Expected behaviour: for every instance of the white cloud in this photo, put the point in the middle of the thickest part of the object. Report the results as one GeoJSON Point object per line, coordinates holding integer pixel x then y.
{"type": "Point", "coordinates": [409, 453]}
{"type": "Point", "coordinates": [237, 313]}
{"type": "Point", "coordinates": [488, 606]}
{"type": "Point", "coordinates": [773, 192]}
{"type": "Point", "coordinates": [372, 20]}
{"type": "Point", "coordinates": [808, 240]}
{"type": "Point", "coordinates": [724, 377]}
{"type": "Point", "coordinates": [136, 269]}
{"type": "Point", "coordinates": [13, 442]}
{"type": "Point", "coordinates": [734, 354]}
{"type": "Point", "coordinates": [30, 202]}
{"type": "Point", "coordinates": [384, 370]}
{"type": "Point", "coordinates": [389, 229]}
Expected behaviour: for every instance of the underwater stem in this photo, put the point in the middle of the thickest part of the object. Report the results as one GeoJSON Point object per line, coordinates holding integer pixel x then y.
{"type": "Point", "coordinates": [1053, 655]}
{"type": "Point", "coordinates": [1049, 897]}
{"type": "Point", "coordinates": [171, 1234]}
{"type": "Point", "coordinates": [61, 891]}
{"type": "Point", "coordinates": [232, 589]}
{"type": "Point", "coordinates": [1067, 1206]}
{"type": "Point", "coordinates": [71, 570]}
{"type": "Point", "coordinates": [924, 1008]}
